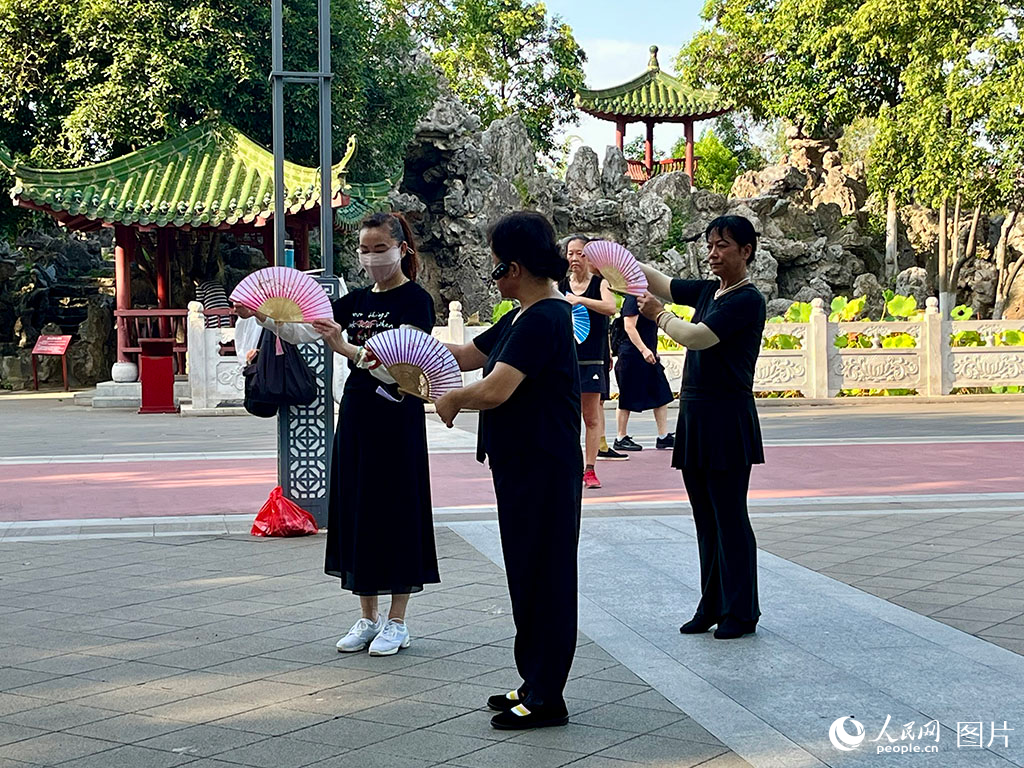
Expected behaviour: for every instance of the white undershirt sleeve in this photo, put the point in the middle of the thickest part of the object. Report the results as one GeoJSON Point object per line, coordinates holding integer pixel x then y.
{"type": "Point", "coordinates": [293, 333]}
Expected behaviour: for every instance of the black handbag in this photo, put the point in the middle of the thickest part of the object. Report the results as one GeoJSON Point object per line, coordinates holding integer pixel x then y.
{"type": "Point", "coordinates": [278, 377]}
{"type": "Point", "coordinates": [617, 334]}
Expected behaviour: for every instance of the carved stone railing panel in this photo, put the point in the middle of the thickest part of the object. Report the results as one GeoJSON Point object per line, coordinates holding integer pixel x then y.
{"type": "Point", "coordinates": [780, 370]}
{"type": "Point", "coordinates": [876, 369]}
{"type": "Point", "coordinates": [988, 366]}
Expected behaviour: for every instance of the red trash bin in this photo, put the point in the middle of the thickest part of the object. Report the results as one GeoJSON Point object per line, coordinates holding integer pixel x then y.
{"type": "Point", "coordinates": [156, 372]}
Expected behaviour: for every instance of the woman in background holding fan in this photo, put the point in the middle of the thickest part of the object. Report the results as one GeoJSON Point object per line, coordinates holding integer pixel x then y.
{"type": "Point", "coordinates": [531, 386]}
{"type": "Point", "coordinates": [380, 533]}
{"type": "Point", "coordinates": [591, 291]}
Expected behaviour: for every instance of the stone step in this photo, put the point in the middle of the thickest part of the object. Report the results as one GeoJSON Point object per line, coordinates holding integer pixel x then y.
{"type": "Point", "coordinates": [112, 394]}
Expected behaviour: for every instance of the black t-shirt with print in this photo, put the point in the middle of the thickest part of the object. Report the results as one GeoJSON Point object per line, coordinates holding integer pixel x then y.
{"type": "Point", "coordinates": [541, 419]}
{"type": "Point", "coordinates": [363, 313]}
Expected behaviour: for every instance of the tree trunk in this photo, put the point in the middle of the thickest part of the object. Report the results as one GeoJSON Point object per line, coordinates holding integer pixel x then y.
{"type": "Point", "coordinates": [1003, 281]}
{"type": "Point", "coordinates": [970, 250]}
{"type": "Point", "coordinates": [891, 238]}
{"type": "Point", "coordinates": [943, 259]}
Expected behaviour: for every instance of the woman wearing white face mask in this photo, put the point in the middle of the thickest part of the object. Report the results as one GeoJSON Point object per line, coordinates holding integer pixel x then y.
{"type": "Point", "coordinates": [380, 533]}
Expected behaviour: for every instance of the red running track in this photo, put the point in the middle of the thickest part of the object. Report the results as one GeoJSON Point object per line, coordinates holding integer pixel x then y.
{"type": "Point", "coordinates": [236, 486]}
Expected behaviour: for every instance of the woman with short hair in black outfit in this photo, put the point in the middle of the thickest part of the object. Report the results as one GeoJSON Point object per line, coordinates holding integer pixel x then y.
{"type": "Point", "coordinates": [718, 437]}
{"type": "Point", "coordinates": [531, 387]}
{"type": "Point", "coordinates": [582, 286]}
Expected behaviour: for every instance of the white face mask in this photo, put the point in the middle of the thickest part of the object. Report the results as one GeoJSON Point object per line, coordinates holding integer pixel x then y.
{"type": "Point", "coordinates": [381, 267]}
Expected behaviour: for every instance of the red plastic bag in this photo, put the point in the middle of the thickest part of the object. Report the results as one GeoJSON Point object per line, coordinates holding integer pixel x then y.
{"type": "Point", "coordinates": [282, 517]}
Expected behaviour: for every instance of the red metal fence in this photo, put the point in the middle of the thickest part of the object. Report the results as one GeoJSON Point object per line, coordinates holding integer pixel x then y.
{"type": "Point", "coordinates": [638, 171]}
{"type": "Point", "coordinates": [135, 324]}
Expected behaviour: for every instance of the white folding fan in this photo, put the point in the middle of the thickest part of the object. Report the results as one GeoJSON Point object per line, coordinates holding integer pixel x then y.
{"type": "Point", "coordinates": [616, 265]}
{"type": "Point", "coordinates": [422, 365]}
{"type": "Point", "coordinates": [283, 294]}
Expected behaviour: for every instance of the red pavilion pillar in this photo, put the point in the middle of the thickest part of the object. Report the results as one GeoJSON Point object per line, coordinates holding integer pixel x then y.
{"type": "Point", "coordinates": [649, 147]}
{"type": "Point", "coordinates": [688, 125]}
{"type": "Point", "coordinates": [620, 133]}
{"type": "Point", "coordinates": [123, 252]}
{"type": "Point", "coordinates": [163, 277]}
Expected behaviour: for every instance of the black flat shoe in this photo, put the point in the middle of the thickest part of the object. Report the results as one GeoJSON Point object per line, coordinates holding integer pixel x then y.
{"type": "Point", "coordinates": [500, 702]}
{"type": "Point", "coordinates": [697, 625]}
{"type": "Point", "coordinates": [519, 718]}
{"type": "Point", "coordinates": [730, 629]}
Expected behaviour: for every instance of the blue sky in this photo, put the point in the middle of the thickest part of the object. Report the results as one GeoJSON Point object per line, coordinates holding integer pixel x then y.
{"type": "Point", "coordinates": [616, 37]}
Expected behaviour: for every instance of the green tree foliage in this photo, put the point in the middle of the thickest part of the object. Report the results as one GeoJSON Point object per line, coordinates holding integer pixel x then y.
{"type": "Point", "coordinates": [734, 129]}
{"type": "Point", "coordinates": [634, 150]}
{"type": "Point", "coordinates": [504, 57]}
{"type": "Point", "coordinates": [929, 147]}
{"type": "Point", "coordinates": [718, 165]}
{"type": "Point", "coordinates": [953, 137]}
{"type": "Point", "coordinates": [855, 143]}
{"type": "Point", "coordinates": [819, 64]}
{"type": "Point", "coordinates": [85, 81]}
{"type": "Point", "coordinates": [999, 72]}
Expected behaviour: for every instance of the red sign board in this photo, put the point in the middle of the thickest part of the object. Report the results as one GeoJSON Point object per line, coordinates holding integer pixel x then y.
{"type": "Point", "coordinates": [51, 345]}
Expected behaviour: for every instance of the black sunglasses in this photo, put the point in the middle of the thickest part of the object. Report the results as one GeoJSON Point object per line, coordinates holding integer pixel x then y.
{"type": "Point", "coordinates": [500, 271]}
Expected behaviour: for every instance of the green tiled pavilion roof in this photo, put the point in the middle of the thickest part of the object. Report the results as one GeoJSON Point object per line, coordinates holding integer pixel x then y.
{"type": "Point", "coordinates": [654, 94]}
{"type": "Point", "coordinates": [211, 176]}
{"type": "Point", "coordinates": [364, 199]}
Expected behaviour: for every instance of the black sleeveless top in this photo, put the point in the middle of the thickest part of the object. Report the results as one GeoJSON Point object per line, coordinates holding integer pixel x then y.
{"type": "Point", "coordinates": [594, 349]}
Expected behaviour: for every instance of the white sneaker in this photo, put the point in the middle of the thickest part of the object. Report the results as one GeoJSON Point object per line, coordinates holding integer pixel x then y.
{"type": "Point", "coordinates": [362, 632]}
{"type": "Point", "coordinates": [393, 636]}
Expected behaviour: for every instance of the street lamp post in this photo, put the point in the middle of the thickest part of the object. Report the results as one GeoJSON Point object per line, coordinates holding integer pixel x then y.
{"type": "Point", "coordinates": [304, 433]}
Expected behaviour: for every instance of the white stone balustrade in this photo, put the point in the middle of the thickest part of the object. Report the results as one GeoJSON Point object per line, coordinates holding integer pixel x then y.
{"type": "Point", "coordinates": [817, 369]}
{"type": "Point", "coordinates": [213, 378]}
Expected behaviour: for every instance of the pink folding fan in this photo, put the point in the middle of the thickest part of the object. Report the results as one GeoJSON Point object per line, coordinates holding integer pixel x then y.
{"type": "Point", "coordinates": [283, 294]}
{"type": "Point", "coordinates": [616, 265]}
{"type": "Point", "coordinates": [422, 365]}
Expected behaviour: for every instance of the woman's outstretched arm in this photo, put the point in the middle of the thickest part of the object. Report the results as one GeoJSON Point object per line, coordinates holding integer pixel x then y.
{"type": "Point", "coordinates": [658, 283]}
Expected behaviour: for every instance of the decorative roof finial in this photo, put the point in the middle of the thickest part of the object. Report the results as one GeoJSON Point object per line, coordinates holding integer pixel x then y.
{"type": "Point", "coordinates": [653, 63]}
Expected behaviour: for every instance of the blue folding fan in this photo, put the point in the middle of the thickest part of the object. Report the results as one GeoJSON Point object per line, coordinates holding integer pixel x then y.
{"type": "Point", "coordinates": [580, 323]}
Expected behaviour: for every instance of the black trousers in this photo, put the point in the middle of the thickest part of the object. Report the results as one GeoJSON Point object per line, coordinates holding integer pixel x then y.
{"type": "Point", "coordinates": [539, 520]}
{"type": "Point", "coordinates": [725, 541]}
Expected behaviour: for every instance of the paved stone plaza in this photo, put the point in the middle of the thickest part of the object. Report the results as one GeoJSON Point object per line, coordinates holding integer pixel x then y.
{"type": "Point", "coordinates": [218, 652]}
{"type": "Point", "coordinates": [149, 640]}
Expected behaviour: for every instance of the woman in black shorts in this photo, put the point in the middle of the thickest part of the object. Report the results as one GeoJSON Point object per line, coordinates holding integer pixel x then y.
{"type": "Point", "coordinates": [592, 291]}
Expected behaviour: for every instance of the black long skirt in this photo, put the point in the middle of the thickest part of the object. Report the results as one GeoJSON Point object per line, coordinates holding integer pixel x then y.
{"type": "Point", "coordinates": [642, 386]}
{"type": "Point", "coordinates": [380, 530]}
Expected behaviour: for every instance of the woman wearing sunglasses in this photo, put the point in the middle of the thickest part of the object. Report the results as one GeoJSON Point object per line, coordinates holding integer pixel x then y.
{"type": "Point", "coordinates": [531, 385]}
